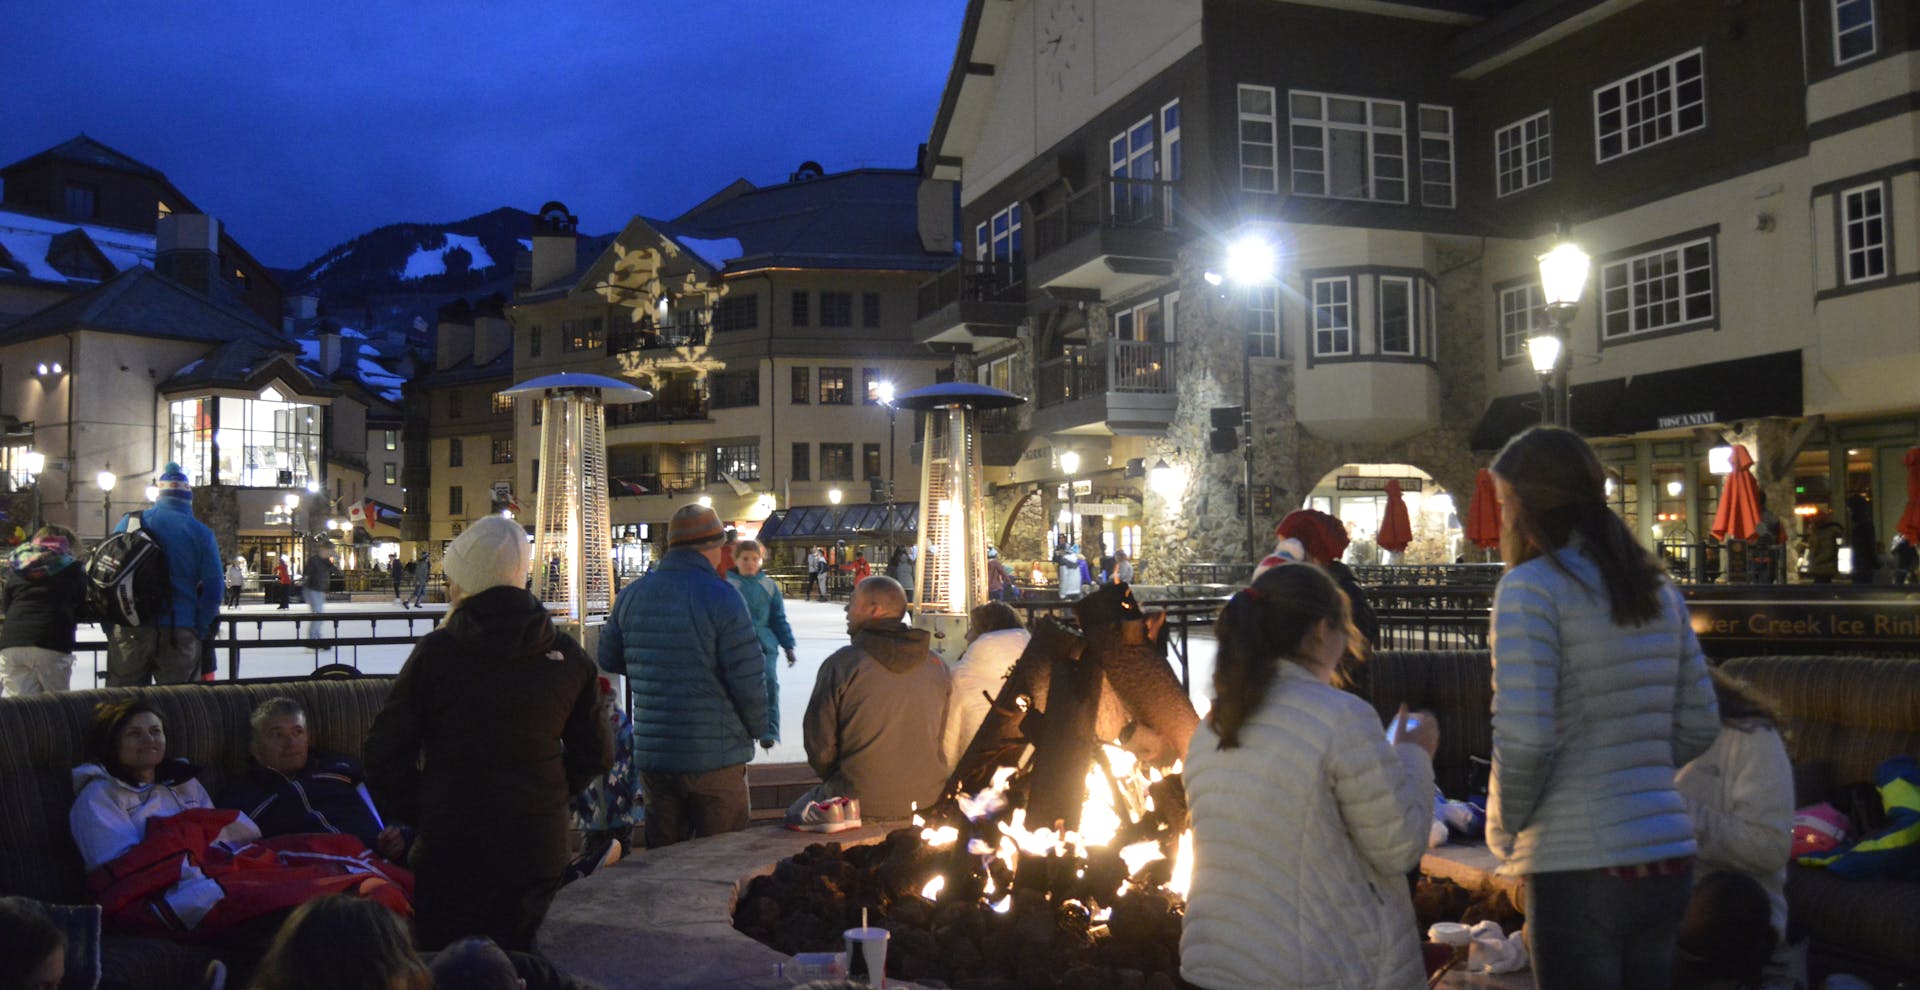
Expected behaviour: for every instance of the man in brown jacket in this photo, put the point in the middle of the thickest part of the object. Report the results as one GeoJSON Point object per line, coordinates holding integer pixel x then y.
{"type": "Point", "coordinates": [873, 725]}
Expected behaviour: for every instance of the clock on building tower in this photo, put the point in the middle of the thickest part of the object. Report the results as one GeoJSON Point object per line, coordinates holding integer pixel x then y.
{"type": "Point", "coordinates": [1062, 43]}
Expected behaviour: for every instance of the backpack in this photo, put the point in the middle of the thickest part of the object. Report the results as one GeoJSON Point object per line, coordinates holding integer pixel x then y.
{"type": "Point", "coordinates": [127, 578]}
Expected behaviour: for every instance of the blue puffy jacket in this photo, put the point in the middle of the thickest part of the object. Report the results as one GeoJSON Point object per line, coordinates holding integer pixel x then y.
{"type": "Point", "coordinates": [193, 563]}
{"type": "Point", "coordinates": [694, 669]}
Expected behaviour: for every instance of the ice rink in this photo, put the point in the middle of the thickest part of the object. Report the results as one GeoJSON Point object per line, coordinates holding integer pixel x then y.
{"type": "Point", "coordinates": [818, 627]}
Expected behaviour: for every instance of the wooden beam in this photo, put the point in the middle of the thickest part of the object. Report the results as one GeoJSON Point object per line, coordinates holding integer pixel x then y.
{"type": "Point", "coordinates": [979, 69]}
{"type": "Point", "coordinates": [1780, 464]}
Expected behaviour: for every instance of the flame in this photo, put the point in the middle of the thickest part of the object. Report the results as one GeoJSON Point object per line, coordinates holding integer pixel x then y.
{"type": "Point", "coordinates": [940, 838]}
{"type": "Point", "coordinates": [1182, 880]}
{"type": "Point", "coordinates": [933, 888]}
{"type": "Point", "coordinates": [1140, 854]}
{"type": "Point", "coordinates": [1003, 905]}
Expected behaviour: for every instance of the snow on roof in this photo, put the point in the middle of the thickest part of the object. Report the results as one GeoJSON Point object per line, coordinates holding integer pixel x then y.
{"type": "Point", "coordinates": [27, 238]}
{"type": "Point", "coordinates": [715, 251]}
{"type": "Point", "coordinates": [426, 261]}
{"type": "Point", "coordinates": [382, 381]}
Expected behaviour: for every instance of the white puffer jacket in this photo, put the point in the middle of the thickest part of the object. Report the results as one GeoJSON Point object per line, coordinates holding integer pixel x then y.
{"type": "Point", "coordinates": [1303, 835]}
{"type": "Point", "coordinates": [1590, 719]}
{"type": "Point", "coordinates": [109, 816]}
{"type": "Point", "coordinates": [1740, 796]}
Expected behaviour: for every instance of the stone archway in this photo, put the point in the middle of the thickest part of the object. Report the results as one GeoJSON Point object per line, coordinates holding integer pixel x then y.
{"type": "Point", "coordinates": [1356, 494]}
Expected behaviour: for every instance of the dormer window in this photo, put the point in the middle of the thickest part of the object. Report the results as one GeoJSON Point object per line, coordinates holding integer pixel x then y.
{"type": "Point", "coordinates": [82, 200]}
{"type": "Point", "coordinates": [162, 210]}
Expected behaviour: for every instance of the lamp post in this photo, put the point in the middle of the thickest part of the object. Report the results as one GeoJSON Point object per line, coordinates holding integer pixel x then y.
{"type": "Point", "coordinates": [292, 501]}
{"type": "Point", "coordinates": [1252, 263]}
{"type": "Point", "coordinates": [1070, 466]}
{"type": "Point", "coordinates": [1544, 352]}
{"type": "Point", "coordinates": [106, 480]}
{"type": "Point", "coordinates": [33, 462]}
{"type": "Point", "coordinates": [884, 391]}
{"type": "Point", "coordinates": [1563, 277]}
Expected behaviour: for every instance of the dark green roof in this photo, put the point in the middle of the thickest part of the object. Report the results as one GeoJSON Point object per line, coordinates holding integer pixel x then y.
{"type": "Point", "coordinates": [142, 303]}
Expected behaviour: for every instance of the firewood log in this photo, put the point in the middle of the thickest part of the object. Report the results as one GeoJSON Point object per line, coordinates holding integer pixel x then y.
{"type": "Point", "coordinates": [1003, 736]}
{"type": "Point", "coordinates": [1136, 667]}
{"type": "Point", "coordinates": [1064, 751]}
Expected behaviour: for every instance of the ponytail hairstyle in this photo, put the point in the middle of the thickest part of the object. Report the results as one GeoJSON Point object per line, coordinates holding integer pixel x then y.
{"type": "Point", "coordinates": [1559, 489]}
{"type": "Point", "coordinates": [1262, 626]}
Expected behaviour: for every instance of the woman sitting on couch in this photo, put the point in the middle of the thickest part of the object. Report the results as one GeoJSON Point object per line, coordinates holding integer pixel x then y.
{"type": "Point", "coordinates": [163, 861]}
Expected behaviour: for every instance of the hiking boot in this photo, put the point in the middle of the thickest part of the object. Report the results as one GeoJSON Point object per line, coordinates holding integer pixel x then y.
{"type": "Point", "coordinates": [831, 815]}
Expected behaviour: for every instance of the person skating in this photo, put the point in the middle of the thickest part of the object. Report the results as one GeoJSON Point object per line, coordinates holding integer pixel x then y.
{"type": "Point", "coordinates": [167, 650]}
{"type": "Point", "coordinates": [769, 612]}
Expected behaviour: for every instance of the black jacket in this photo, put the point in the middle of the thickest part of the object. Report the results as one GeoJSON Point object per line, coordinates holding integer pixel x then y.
{"type": "Point", "coordinates": [42, 611]}
{"type": "Point", "coordinates": [325, 797]}
{"type": "Point", "coordinates": [1358, 673]}
{"type": "Point", "coordinates": [495, 715]}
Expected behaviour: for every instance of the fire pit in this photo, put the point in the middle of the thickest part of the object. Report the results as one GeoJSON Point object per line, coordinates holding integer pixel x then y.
{"type": "Point", "coordinates": [1060, 855]}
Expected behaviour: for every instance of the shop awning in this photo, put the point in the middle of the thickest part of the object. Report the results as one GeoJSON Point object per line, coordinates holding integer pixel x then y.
{"type": "Point", "coordinates": [830, 523]}
{"type": "Point", "coordinates": [1590, 404]}
{"type": "Point", "coordinates": [1697, 395]}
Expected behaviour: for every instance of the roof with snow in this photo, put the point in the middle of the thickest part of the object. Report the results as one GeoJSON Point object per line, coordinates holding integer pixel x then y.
{"type": "Point", "coordinates": [31, 248]}
{"type": "Point", "coordinates": [248, 364]}
{"type": "Point", "coordinates": [143, 303]}
{"type": "Point", "coordinates": [865, 218]}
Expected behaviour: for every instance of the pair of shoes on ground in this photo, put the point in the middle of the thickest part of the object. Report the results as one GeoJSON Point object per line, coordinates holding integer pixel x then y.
{"type": "Point", "coordinates": [602, 848]}
{"type": "Point", "coordinates": [836, 814]}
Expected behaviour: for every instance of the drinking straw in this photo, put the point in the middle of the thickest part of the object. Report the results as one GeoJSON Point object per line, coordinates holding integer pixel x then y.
{"type": "Point", "coordinates": [863, 917]}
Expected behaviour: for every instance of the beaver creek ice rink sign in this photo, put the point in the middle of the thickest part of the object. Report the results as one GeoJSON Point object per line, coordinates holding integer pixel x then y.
{"type": "Point", "coordinates": [1748, 620]}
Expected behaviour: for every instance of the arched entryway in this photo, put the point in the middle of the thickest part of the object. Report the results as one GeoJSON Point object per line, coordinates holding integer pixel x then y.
{"type": "Point", "coordinates": [1356, 494]}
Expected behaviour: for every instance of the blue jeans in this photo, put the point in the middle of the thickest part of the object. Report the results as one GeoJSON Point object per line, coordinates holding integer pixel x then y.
{"type": "Point", "coordinates": [1588, 930]}
{"type": "Point", "coordinates": [317, 601]}
{"type": "Point", "coordinates": [773, 696]}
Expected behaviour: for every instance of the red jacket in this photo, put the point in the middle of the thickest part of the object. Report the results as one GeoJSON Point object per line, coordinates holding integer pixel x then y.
{"type": "Point", "coordinates": [280, 572]}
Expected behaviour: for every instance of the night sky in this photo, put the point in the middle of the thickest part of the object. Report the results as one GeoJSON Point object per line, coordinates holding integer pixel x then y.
{"type": "Point", "coordinates": [303, 125]}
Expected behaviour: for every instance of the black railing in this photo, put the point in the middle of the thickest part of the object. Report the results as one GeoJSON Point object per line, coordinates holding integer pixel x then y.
{"type": "Point", "coordinates": [671, 407]}
{"type": "Point", "coordinates": [686, 330]}
{"type": "Point", "coordinates": [974, 280]}
{"type": "Point", "coordinates": [1135, 366]}
{"type": "Point", "coordinates": [1472, 575]}
{"type": "Point", "coordinates": [1113, 202]}
{"type": "Point", "coordinates": [239, 634]}
{"type": "Point", "coordinates": [1183, 615]}
{"type": "Point", "coordinates": [659, 483]}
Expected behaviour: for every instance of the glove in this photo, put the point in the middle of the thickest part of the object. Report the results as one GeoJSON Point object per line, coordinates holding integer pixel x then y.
{"type": "Point", "coordinates": [791, 659]}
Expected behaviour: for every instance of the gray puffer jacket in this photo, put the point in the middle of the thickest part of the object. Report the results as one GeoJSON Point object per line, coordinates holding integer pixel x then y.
{"type": "Point", "coordinates": [874, 722]}
{"type": "Point", "coordinates": [1590, 720]}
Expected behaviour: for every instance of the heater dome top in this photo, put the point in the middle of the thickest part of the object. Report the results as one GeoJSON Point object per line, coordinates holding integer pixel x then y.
{"type": "Point", "coordinates": [612, 390]}
{"type": "Point", "coordinates": [956, 394]}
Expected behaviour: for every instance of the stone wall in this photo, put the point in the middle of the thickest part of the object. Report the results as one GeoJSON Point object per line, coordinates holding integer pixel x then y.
{"type": "Point", "coordinates": [219, 507]}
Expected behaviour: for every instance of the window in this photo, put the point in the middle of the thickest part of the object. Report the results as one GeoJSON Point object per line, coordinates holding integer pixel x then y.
{"type": "Point", "coordinates": [836, 309]}
{"type": "Point", "coordinates": [391, 439]}
{"type": "Point", "coordinates": [539, 411]}
{"type": "Point", "coordinates": [802, 385]}
{"type": "Point", "coordinates": [1170, 153]}
{"type": "Point", "coordinates": [836, 389]}
{"type": "Point", "coordinates": [162, 210]}
{"type": "Point", "coordinates": [1864, 218]}
{"type": "Point", "coordinates": [836, 462]}
{"type": "Point", "coordinates": [391, 472]}
{"type": "Point", "coordinates": [870, 310]}
{"type": "Point", "coordinates": [1523, 315]}
{"type": "Point", "coordinates": [1347, 147]}
{"type": "Point", "coordinates": [999, 238]}
{"type": "Point", "coordinates": [1649, 107]}
{"type": "Point", "coordinates": [802, 467]}
{"type": "Point", "coordinates": [740, 461]}
{"type": "Point", "coordinates": [456, 454]}
{"type": "Point", "coordinates": [1852, 30]}
{"type": "Point", "coordinates": [260, 443]}
{"type": "Point", "coordinates": [585, 334]}
{"type": "Point", "coordinates": [872, 379]}
{"type": "Point", "coordinates": [1523, 153]}
{"type": "Point", "coordinates": [1131, 156]}
{"type": "Point", "coordinates": [456, 404]}
{"type": "Point", "coordinates": [83, 200]}
{"type": "Point", "coordinates": [1259, 154]}
{"type": "Point", "coordinates": [800, 316]}
{"type": "Point", "coordinates": [1263, 321]}
{"type": "Point", "coordinates": [737, 313]}
{"type": "Point", "coordinates": [456, 500]}
{"type": "Point", "coordinates": [1436, 156]}
{"type": "Point", "coordinates": [503, 450]}
{"type": "Point", "coordinates": [1143, 322]}
{"type": "Point", "coordinates": [870, 461]}
{"type": "Point", "coordinates": [997, 373]}
{"type": "Point", "coordinates": [1332, 317]}
{"type": "Point", "coordinates": [1396, 315]}
{"type": "Point", "coordinates": [733, 389]}
{"type": "Point", "coordinates": [533, 341]}
{"type": "Point", "coordinates": [1659, 290]}
{"type": "Point", "coordinates": [502, 403]}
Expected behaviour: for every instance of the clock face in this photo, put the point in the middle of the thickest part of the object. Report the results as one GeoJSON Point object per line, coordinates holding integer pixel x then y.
{"type": "Point", "coordinates": [1063, 25]}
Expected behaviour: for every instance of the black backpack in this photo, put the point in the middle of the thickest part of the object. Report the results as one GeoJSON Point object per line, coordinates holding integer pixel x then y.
{"type": "Point", "coordinates": [127, 578]}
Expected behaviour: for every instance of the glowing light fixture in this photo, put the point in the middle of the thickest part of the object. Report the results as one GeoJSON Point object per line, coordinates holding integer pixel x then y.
{"type": "Point", "coordinates": [834, 495]}
{"type": "Point", "coordinates": [153, 493]}
{"type": "Point", "coordinates": [706, 501]}
{"type": "Point", "coordinates": [1720, 460]}
{"type": "Point", "coordinates": [1252, 260]}
{"type": "Point", "coordinates": [1675, 487]}
{"type": "Point", "coordinates": [1544, 352]}
{"type": "Point", "coordinates": [106, 480]}
{"type": "Point", "coordinates": [1563, 274]}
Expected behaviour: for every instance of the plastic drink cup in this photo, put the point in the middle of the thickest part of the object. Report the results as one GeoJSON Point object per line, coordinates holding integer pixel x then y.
{"type": "Point", "coordinates": [867, 956]}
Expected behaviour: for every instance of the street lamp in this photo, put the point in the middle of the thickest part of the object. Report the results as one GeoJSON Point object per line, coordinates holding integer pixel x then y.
{"type": "Point", "coordinates": [33, 462]}
{"type": "Point", "coordinates": [1070, 466]}
{"type": "Point", "coordinates": [1252, 262]}
{"type": "Point", "coordinates": [152, 493]}
{"type": "Point", "coordinates": [291, 501]}
{"type": "Point", "coordinates": [1544, 352]}
{"type": "Point", "coordinates": [106, 480]}
{"type": "Point", "coordinates": [833, 495]}
{"type": "Point", "coordinates": [1563, 277]}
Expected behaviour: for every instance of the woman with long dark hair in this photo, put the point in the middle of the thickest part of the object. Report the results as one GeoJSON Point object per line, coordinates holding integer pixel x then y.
{"type": "Point", "coordinates": [339, 942]}
{"type": "Point", "coordinates": [1600, 693]}
{"type": "Point", "coordinates": [1306, 818]}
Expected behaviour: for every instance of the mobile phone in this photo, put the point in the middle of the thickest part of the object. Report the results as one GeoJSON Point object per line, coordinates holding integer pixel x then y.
{"type": "Point", "coordinates": [1412, 721]}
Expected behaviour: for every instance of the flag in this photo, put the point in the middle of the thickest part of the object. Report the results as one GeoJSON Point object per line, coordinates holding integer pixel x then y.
{"type": "Point", "coordinates": [358, 514]}
{"type": "Point", "coordinates": [740, 488]}
{"type": "Point", "coordinates": [630, 487]}
{"type": "Point", "coordinates": [513, 503]}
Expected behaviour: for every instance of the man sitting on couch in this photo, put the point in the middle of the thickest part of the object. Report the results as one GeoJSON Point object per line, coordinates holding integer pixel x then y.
{"type": "Point", "coordinates": [289, 789]}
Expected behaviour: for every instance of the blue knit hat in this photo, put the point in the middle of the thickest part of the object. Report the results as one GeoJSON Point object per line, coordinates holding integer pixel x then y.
{"type": "Point", "coordinates": [173, 484]}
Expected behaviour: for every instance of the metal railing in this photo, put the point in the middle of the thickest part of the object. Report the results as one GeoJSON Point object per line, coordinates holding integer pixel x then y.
{"type": "Point", "coordinates": [1451, 575]}
{"type": "Point", "coordinates": [686, 330]}
{"type": "Point", "coordinates": [1183, 615]}
{"type": "Point", "coordinates": [668, 407]}
{"type": "Point", "coordinates": [1113, 202]}
{"type": "Point", "coordinates": [1128, 366]}
{"type": "Point", "coordinates": [239, 634]}
{"type": "Point", "coordinates": [659, 483]}
{"type": "Point", "coordinates": [974, 280]}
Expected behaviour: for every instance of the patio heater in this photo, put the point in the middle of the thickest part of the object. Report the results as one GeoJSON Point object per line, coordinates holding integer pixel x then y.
{"type": "Point", "coordinates": [950, 573]}
{"type": "Point", "coordinates": [573, 534]}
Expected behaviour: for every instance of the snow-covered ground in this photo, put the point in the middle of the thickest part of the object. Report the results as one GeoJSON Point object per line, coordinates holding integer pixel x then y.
{"type": "Point", "coordinates": [818, 627]}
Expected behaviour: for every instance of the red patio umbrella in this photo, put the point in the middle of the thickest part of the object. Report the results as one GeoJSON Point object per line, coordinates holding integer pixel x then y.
{"type": "Point", "coordinates": [1739, 514]}
{"type": "Point", "coordinates": [1396, 531]}
{"type": "Point", "coordinates": [1483, 515]}
{"type": "Point", "coordinates": [1909, 524]}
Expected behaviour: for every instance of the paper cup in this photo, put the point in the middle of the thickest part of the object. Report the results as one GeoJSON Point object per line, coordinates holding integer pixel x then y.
{"type": "Point", "coordinates": [1450, 933]}
{"type": "Point", "coordinates": [867, 956]}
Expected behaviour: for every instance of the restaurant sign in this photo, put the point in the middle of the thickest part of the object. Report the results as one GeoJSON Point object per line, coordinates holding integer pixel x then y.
{"type": "Point", "coordinates": [1678, 420]}
{"type": "Point", "coordinates": [1349, 483]}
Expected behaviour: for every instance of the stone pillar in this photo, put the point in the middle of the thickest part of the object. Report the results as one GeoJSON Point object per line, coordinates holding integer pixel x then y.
{"type": "Point", "coordinates": [219, 507]}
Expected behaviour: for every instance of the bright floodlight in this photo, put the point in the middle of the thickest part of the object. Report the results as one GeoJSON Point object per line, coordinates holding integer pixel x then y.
{"type": "Point", "coordinates": [884, 390]}
{"type": "Point", "coordinates": [153, 493]}
{"type": "Point", "coordinates": [1070, 462]}
{"type": "Point", "coordinates": [1720, 459]}
{"type": "Point", "coordinates": [1252, 260]}
{"type": "Point", "coordinates": [1563, 274]}
{"type": "Point", "coordinates": [1544, 351]}
{"type": "Point", "coordinates": [834, 496]}
{"type": "Point", "coordinates": [292, 500]}
{"type": "Point", "coordinates": [33, 462]}
{"type": "Point", "coordinates": [106, 480]}
{"type": "Point", "coordinates": [706, 501]}
{"type": "Point", "coordinates": [1675, 487]}
{"type": "Point", "coordinates": [313, 486]}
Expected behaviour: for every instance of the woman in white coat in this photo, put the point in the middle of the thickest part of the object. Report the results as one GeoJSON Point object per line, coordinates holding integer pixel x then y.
{"type": "Point", "coordinates": [1306, 818]}
{"type": "Point", "coordinates": [1600, 692]}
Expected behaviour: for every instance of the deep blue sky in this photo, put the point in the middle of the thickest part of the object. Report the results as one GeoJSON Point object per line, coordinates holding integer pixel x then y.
{"type": "Point", "coordinates": [301, 125]}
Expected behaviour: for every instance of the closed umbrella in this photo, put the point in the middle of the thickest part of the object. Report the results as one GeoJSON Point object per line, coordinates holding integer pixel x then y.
{"type": "Point", "coordinates": [1909, 524]}
{"type": "Point", "coordinates": [1739, 514]}
{"type": "Point", "coordinates": [1483, 516]}
{"type": "Point", "coordinates": [1396, 531]}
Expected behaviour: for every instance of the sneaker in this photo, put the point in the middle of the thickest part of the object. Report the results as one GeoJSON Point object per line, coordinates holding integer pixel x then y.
{"type": "Point", "coordinates": [831, 815]}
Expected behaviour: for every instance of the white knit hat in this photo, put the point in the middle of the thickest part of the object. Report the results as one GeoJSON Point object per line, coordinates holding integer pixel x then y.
{"type": "Point", "coordinates": [492, 552]}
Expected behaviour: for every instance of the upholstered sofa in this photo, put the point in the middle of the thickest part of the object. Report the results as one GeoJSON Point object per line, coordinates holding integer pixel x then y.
{"type": "Point", "coordinates": [41, 740]}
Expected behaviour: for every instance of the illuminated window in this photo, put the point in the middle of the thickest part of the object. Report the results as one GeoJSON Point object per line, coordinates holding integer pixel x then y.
{"type": "Point", "coordinates": [502, 403]}
{"type": "Point", "coordinates": [249, 441]}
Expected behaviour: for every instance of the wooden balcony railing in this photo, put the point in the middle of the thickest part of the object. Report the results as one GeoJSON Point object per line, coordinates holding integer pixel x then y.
{"type": "Point", "coordinates": [1113, 202]}
{"type": "Point", "coordinates": [686, 330]}
{"type": "Point", "coordinates": [1141, 366]}
{"type": "Point", "coordinates": [974, 280]}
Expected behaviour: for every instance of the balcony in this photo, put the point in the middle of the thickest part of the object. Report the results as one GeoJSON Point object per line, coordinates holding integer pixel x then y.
{"type": "Point", "coordinates": [672, 406]}
{"type": "Point", "coordinates": [1112, 238]}
{"type": "Point", "coordinates": [1116, 387]}
{"type": "Point", "coordinates": [972, 300]}
{"type": "Point", "coordinates": [670, 483]}
{"type": "Point", "coordinates": [686, 330]}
